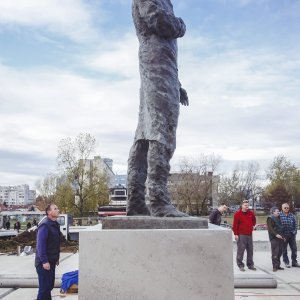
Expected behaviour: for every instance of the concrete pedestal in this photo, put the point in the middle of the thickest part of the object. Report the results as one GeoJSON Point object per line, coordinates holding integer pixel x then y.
{"type": "Point", "coordinates": [160, 264]}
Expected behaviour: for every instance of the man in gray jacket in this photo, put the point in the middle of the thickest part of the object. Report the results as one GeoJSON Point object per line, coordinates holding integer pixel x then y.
{"type": "Point", "coordinates": [157, 29]}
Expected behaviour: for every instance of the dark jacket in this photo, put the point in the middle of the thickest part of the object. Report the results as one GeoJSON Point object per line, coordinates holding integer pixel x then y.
{"type": "Point", "coordinates": [243, 222]}
{"type": "Point", "coordinates": [48, 242]}
{"type": "Point", "coordinates": [215, 217]}
{"type": "Point", "coordinates": [274, 227]}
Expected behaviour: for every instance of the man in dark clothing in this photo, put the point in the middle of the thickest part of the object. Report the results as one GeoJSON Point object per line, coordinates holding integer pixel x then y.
{"type": "Point", "coordinates": [28, 225]}
{"type": "Point", "coordinates": [7, 225]}
{"type": "Point", "coordinates": [47, 252]}
{"type": "Point", "coordinates": [275, 230]}
{"type": "Point", "coordinates": [215, 216]}
{"type": "Point", "coordinates": [243, 222]}
{"type": "Point", "coordinates": [18, 226]}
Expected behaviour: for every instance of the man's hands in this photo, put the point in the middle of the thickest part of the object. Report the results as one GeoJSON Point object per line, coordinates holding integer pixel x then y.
{"type": "Point", "coordinates": [46, 266]}
{"type": "Point", "coordinates": [236, 237]}
{"type": "Point", "coordinates": [279, 236]}
{"type": "Point", "coordinates": [184, 100]}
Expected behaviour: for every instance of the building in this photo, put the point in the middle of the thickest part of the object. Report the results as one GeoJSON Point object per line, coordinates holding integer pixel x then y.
{"type": "Point", "coordinates": [17, 195]}
{"type": "Point", "coordinates": [102, 166]}
{"type": "Point", "coordinates": [120, 180]}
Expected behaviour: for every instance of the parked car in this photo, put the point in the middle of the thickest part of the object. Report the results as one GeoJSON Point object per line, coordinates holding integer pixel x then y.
{"type": "Point", "coordinates": [260, 227]}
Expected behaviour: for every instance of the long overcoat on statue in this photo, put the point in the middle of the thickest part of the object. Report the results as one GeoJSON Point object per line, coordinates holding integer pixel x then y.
{"type": "Point", "coordinates": [157, 29]}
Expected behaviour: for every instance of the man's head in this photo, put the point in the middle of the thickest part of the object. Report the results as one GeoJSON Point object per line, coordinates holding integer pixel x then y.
{"type": "Point", "coordinates": [285, 208]}
{"type": "Point", "coordinates": [274, 211]}
{"type": "Point", "coordinates": [222, 208]}
{"type": "Point", "coordinates": [52, 211]}
{"type": "Point", "coordinates": [245, 205]}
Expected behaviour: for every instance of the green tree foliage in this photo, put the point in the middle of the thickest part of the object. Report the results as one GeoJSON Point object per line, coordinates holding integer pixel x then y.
{"type": "Point", "coordinates": [283, 176]}
{"type": "Point", "coordinates": [275, 195]}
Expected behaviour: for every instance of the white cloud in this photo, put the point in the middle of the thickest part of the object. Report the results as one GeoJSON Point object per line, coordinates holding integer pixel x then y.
{"type": "Point", "coordinates": [118, 57]}
{"type": "Point", "coordinates": [70, 18]}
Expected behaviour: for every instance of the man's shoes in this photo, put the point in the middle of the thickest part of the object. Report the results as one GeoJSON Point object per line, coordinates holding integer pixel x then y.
{"type": "Point", "coordinates": [275, 269]}
{"type": "Point", "coordinates": [287, 265]}
{"type": "Point", "coordinates": [242, 269]}
{"type": "Point", "coordinates": [280, 268]}
{"type": "Point", "coordinates": [296, 265]}
{"type": "Point", "coordinates": [252, 268]}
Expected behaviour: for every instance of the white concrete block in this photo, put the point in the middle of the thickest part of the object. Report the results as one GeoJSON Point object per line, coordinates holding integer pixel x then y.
{"type": "Point", "coordinates": [156, 264]}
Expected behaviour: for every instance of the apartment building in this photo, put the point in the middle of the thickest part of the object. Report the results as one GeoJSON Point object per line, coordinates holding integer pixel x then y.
{"type": "Point", "coordinates": [17, 195]}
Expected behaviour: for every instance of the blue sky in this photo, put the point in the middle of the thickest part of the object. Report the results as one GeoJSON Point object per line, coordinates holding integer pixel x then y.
{"type": "Point", "coordinates": [70, 66]}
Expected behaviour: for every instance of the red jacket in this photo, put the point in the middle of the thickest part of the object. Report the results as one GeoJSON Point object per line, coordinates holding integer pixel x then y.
{"type": "Point", "coordinates": [243, 222]}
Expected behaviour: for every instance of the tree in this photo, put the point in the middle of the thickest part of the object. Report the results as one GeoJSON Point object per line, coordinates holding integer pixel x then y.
{"type": "Point", "coordinates": [284, 175]}
{"type": "Point", "coordinates": [275, 195]}
{"type": "Point", "coordinates": [82, 180]}
{"type": "Point", "coordinates": [192, 187]}
{"type": "Point", "coordinates": [47, 189]}
{"type": "Point", "coordinates": [241, 184]}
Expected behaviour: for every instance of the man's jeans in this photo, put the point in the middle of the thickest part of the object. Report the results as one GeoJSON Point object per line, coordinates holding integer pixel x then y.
{"type": "Point", "coordinates": [46, 281]}
{"type": "Point", "coordinates": [290, 240]}
{"type": "Point", "coordinates": [245, 242]}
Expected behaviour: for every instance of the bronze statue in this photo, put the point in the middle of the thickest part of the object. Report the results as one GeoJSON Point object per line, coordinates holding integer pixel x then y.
{"type": "Point", "coordinates": [157, 29]}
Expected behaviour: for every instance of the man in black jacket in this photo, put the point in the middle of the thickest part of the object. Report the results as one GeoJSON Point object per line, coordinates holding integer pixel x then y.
{"type": "Point", "coordinates": [216, 215]}
{"type": "Point", "coordinates": [47, 252]}
{"type": "Point", "coordinates": [275, 230]}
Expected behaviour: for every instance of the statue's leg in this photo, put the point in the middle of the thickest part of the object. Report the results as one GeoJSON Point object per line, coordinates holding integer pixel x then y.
{"type": "Point", "coordinates": [158, 172]}
{"type": "Point", "coordinates": [136, 178]}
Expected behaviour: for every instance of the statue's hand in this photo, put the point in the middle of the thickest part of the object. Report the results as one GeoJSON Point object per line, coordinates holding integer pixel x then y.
{"type": "Point", "coordinates": [184, 100]}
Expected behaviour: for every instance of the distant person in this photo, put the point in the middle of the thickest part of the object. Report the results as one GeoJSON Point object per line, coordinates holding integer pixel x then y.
{"type": "Point", "coordinates": [7, 225]}
{"type": "Point", "coordinates": [289, 224]}
{"type": "Point", "coordinates": [34, 222]}
{"type": "Point", "coordinates": [243, 222]}
{"type": "Point", "coordinates": [18, 226]}
{"type": "Point", "coordinates": [28, 225]}
{"type": "Point", "coordinates": [47, 252]}
{"type": "Point", "coordinates": [215, 216]}
{"type": "Point", "coordinates": [276, 236]}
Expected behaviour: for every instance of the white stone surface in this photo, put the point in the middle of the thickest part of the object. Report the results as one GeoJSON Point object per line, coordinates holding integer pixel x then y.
{"type": "Point", "coordinates": [156, 264]}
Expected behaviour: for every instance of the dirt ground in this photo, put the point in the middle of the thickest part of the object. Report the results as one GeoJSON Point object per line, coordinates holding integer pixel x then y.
{"type": "Point", "coordinates": [29, 239]}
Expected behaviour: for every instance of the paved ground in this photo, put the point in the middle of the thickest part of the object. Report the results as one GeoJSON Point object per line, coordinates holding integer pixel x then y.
{"type": "Point", "coordinates": [22, 267]}
{"type": "Point", "coordinates": [288, 279]}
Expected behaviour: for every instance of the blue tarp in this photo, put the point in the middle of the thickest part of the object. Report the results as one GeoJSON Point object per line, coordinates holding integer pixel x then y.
{"type": "Point", "coordinates": [68, 279]}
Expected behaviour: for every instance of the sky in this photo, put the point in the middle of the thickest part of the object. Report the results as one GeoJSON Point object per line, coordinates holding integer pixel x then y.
{"type": "Point", "coordinates": [71, 66]}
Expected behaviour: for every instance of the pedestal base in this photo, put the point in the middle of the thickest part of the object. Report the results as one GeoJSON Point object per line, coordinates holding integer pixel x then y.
{"type": "Point", "coordinates": [160, 264]}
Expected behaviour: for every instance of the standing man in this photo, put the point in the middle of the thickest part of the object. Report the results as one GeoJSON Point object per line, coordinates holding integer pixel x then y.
{"type": "Point", "coordinates": [157, 29]}
{"type": "Point", "coordinates": [215, 216]}
{"type": "Point", "coordinates": [289, 224]}
{"type": "Point", "coordinates": [7, 225]}
{"type": "Point", "coordinates": [47, 252]}
{"type": "Point", "coordinates": [243, 222]}
{"type": "Point", "coordinates": [18, 226]}
{"type": "Point", "coordinates": [275, 230]}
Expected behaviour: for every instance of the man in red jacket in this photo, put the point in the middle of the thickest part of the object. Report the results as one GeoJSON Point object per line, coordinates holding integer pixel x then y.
{"type": "Point", "coordinates": [243, 222]}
